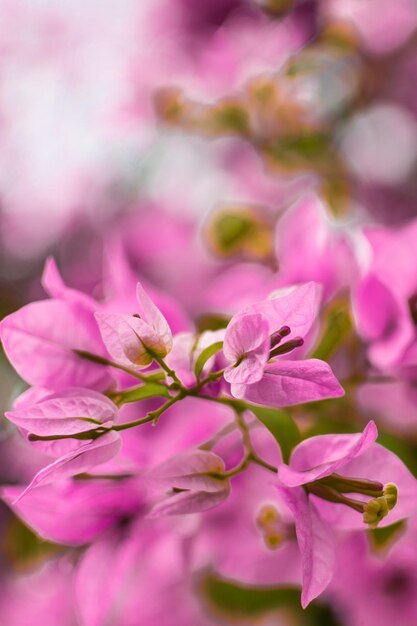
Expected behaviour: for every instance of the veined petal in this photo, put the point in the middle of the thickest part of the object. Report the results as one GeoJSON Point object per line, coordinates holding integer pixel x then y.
{"type": "Point", "coordinates": [65, 413]}
{"type": "Point", "coordinates": [323, 455]}
{"type": "Point", "coordinates": [40, 338]}
{"type": "Point", "coordinates": [296, 307]}
{"type": "Point", "coordinates": [316, 542]}
{"type": "Point", "coordinates": [244, 334]}
{"type": "Point", "coordinates": [80, 460]}
{"type": "Point", "coordinates": [286, 383]}
{"type": "Point", "coordinates": [250, 370]}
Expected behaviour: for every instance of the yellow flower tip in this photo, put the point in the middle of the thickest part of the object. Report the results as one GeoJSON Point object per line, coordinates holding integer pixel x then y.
{"type": "Point", "coordinates": [267, 516]}
{"type": "Point", "coordinates": [391, 495]}
{"type": "Point", "coordinates": [375, 510]}
{"type": "Point", "coordinates": [271, 527]}
{"type": "Point", "coordinates": [273, 540]}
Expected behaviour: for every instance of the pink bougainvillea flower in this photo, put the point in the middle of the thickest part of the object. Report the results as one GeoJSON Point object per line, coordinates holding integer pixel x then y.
{"type": "Point", "coordinates": [323, 471]}
{"type": "Point", "coordinates": [320, 456]}
{"type": "Point", "coordinates": [41, 339]}
{"type": "Point", "coordinates": [69, 412]}
{"type": "Point", "coordinates": [255, 337]}
{"type": "Point", "coordinates": [137, 340]}
{"type": "Point", "coordinates": [195, 483]}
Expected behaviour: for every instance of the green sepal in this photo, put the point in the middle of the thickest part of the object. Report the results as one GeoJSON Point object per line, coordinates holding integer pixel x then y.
{"type": "Point", "coordinates": [149, 390]}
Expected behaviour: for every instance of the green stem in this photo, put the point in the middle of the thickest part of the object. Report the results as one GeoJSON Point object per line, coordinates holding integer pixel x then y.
{"type": "Point", "coordinates": [87, 476]}
{"type": "Point", "coordinates": [223, 432]}
{"type": "Point", "coordinates": [239, 468]}
{"type": "Point", "coordinates": [95, 358]}
{"type": "Point", "coordinates": [236, 405]}
{"type": "Point", "coordinates": [250, 454]}
{"type": "Point", "coordinates": [256, 459]}
{"type": "Point", "coordinates": [210, 378]}
{"type": "Point", "coordinates": [166, 368]}
{"type": "Point", "coordinates": [153, 416]}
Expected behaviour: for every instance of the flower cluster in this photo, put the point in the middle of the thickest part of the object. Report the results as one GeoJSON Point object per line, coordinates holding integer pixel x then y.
{"type": "Point", "coordinates": [221, 433]}
{"type": "Point", "coordinates": [208, 437]}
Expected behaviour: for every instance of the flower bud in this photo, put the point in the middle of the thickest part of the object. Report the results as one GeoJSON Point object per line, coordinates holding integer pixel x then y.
{"type": "Point", "coordinates": [391, 495]}
{"type": "Point", "coordinates": [375, 510]}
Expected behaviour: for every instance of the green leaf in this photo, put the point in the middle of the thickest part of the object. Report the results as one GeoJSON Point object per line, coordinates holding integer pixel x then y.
{"type": "Point", "coordinates": [23, 548]}
{"type": "Point", "coordinates": [205, 355]}
{"type": "Point", "coordinates": [239, 600]}
{"type": "Point", "coordinates": [235, 601]}
{"type": "Point", "coordinates": [281, 425]}
{"type": "Point", "coordinates": [149, 390]}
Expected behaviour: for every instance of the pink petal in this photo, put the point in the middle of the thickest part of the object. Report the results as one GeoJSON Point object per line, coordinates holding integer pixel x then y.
{"type": "Point", "coordinates": [51, 509]}
{"type": "Point", "coordinates": [52, 280]}
{"type": "Point", "coordinates": [246, 336]}
{"type": "Point", "coordinates": [39, 340]}
{"type": "Point", "coordinates": [382, 320]}
{"type": "Point", "coordinates": [104, 577]}
{"type": "Point", "coordinates": [245, 333]}
{"type": "Point", "coordinates": [80, 460]}
{"type": "Point", "coordinates": [59, 414]}
{"type": "Point", "coordinates": [307, 226]}
{"type": "Point", "coordinates": [375, 309]}
{"type": "Point", "coordinates": [190, 470]}
{"type": "Point", "coordinates": [153, 316]}
{"type": "Point", "coordinates": [250, 370]}
{"type": "Point", "coordinates": [296, 307]}
{"type": "Point", "coordinates": [320, 456]}
{"type": "Point", "coordinates": [286, 383]}
{"type": "Point", "coordinates": [190, 502]}
{"type": "Point", "coordinates": [316, 542]}
{"type": "Point", "coordinates": [55, 287]}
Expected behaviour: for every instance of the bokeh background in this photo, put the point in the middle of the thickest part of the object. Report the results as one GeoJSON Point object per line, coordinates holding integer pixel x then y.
{"type": "Point", "coordinates": [172, 138]}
